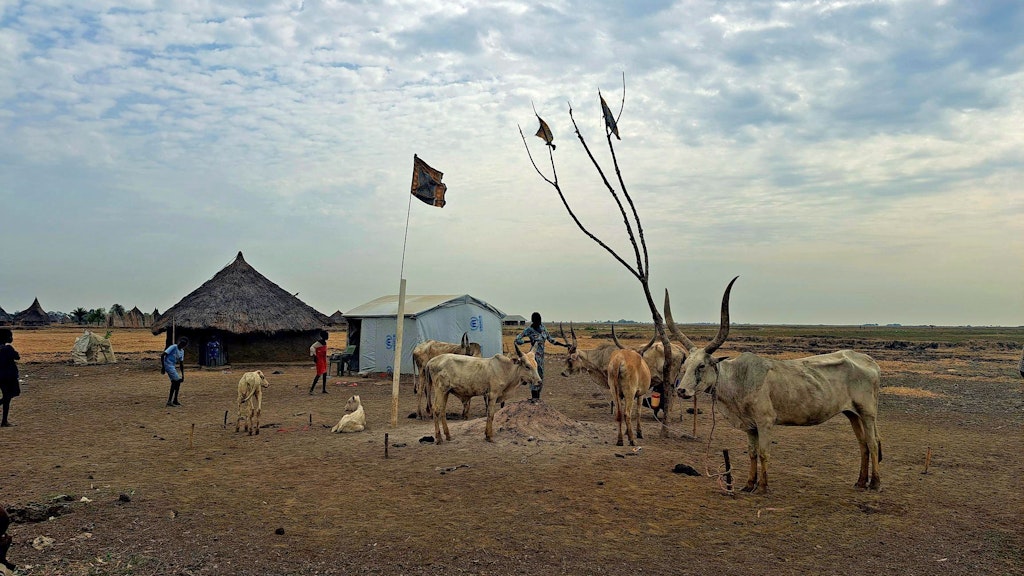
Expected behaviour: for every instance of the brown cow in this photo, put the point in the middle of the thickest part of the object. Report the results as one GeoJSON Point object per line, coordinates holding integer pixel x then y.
{"type": "Point", "coordinates": [628, 379]}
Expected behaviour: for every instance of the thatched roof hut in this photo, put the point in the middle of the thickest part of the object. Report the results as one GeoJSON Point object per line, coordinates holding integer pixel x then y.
{"type": "Point", "coordinates": [338, 319]}
{"type": "Point", "coordinates": [5, 318]}
{"type": "Point", "coordinates": [34, 316]}
{"type": "Point", "coordinates": [251, 318]}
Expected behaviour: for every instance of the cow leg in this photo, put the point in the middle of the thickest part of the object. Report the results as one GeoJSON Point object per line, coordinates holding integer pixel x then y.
{"type": "Point", "coordinates": [241, 415]}
{"type": "Point", "coordinates": [628, 416]}
{"type": "Point", "coordinates": [489, 429]}
{"type": "Point", "coordinates": [858, 430]}
{"type": "Point", "coordinates": [465, 408]}
{"type": "Point", "coordinates": [636, 404]}
{"type": "Point", "coordinates": [443, 408]}
{"type": "Point", "coordinates": [618, 418]}
{"type": "Point", "coordinates": [874, 449]}
{"type": "Point", "coordinates": [752, 451]}
{"type": "Point", "coordinates": [764, 444]}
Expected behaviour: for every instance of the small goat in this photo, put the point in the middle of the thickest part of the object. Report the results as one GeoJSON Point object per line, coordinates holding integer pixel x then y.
{"type": "Point", "coordinates": [355, 420]}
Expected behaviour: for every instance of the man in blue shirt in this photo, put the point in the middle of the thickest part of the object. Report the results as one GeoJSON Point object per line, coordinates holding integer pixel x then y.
{"type": "Point", "coordinates": [171, 360]}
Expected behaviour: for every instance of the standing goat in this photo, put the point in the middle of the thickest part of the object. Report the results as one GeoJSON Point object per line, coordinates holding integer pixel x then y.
{"type": "Point", "coordinates": [250, 392]}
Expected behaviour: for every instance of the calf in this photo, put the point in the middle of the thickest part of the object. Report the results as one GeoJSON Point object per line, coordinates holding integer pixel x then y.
{"type": "Point", "coordinates": [759, 393]}
{"type": "Point", "coordinates": [467, 376]}
{"type": "Point", "coordinates": [250, 392]}
{"type": "Point", "coordinates": [354, 420]}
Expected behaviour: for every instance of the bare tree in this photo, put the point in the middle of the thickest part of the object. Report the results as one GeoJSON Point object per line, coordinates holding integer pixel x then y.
{"type": "Point", "coordinates": [630, 219]}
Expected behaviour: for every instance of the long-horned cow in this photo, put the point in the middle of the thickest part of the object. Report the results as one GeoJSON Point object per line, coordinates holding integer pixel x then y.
{"type": "Point", "coordinates": [422, 354]}
{"type": "Point", "coordinates": [593, 362]}
{"type": "Point", "coordinates": [759, 393]}
{"type": "Point", "coordinates": [468, 376]}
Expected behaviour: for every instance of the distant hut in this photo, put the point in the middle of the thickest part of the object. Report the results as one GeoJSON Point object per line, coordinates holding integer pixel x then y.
{"type": "Point", "coordinates": [338, 320]}
{"type": "Point", "coordinates": [134, 318]}
{"type": "Point", "coordinates": [513, 320]}
{"type": "Point", "coordinates": [251, 318]}
{"type": "Point", "coordinates": [34, 316]}
{"type": "Point", "coordinates": [5, 318]}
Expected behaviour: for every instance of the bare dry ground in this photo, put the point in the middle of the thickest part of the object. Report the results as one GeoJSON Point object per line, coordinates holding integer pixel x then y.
{"type": "Point", "coordinates": [124, 485]}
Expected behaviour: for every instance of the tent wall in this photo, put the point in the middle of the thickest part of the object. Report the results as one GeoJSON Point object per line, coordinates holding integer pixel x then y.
{"type": "Point", "coordinates": [447, 324]}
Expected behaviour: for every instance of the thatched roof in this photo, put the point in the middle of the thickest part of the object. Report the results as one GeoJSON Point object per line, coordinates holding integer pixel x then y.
{"type": "Point", "coordinates": [240, 300]}
{"type": "Point", "coordinates": [5, 318]}
{"type": "Point", "coordinates": [337, 319]}
{"type": "Point", "coordinates": [34, 315]}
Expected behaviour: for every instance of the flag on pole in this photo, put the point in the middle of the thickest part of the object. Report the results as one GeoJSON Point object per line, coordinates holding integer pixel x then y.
{"type": "Point", "coordinates": [609, 118]}
{"type": "Point", "coordinates": [426, 183]}
{"type": "Point", "coordinates": [544, 133]}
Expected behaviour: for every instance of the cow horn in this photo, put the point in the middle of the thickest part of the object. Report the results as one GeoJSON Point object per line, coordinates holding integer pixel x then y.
{"type": "Point", "coordinates": [572, 330]}
{"type": "Point", "coordinates": [561, 332]}
{"type": "Point", "coordinates": [723, 330]}
{"type": "Point", "coordinates": [616, 339]}
{"type": "Point", "coordinates": [465, 342]}
{"type": "Point", "coordinates": [644, 350]}
{"type": "Point", "coordinates": [519, 352]}
{"type": "Point", "coordinates": [686, 342]}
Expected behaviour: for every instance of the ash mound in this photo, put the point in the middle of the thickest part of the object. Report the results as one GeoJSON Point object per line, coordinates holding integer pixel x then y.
{"type": "Point", "coordinates": [524, 420]}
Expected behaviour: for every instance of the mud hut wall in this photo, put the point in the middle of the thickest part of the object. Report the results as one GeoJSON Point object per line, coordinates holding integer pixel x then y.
{"type": "Point", "coordinates": [247, 348]}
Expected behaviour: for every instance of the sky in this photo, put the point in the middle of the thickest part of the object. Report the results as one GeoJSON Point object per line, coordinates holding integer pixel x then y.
{"type": "Point", "coordinates": [851, 161]}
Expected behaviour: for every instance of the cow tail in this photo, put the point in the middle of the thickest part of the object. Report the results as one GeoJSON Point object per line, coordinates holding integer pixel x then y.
{"type": "Point", "coordinates": [878, 438]}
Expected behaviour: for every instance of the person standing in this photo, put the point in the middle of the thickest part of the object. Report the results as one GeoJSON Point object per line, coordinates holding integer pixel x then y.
{"type": "Point", "coordinates": [9, 386]}
{"type": "Point", "coordinates": [537, 335]}
{"type": "Point", "coordinates": [171, 361]}
{"type": "Point", "coordinates": [318, 351]}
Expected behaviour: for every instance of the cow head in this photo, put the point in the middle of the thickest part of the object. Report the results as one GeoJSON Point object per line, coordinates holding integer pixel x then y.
{"type": "Point", "coordinates": [469, 348]}
{"type": "Point", "coordinates": [699, 369]}
{"type": "Point", "coordinates": [573, 362]}
{"type": "Point", "coordinates": [263, 379]}
{"type": "Point", "coordinates": [526, 365]}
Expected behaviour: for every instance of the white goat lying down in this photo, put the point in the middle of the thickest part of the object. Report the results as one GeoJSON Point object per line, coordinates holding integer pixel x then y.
{"type": "Point", "coordinates": [250, 391]}
{"type": "Point", "coordinates": [355, 420]}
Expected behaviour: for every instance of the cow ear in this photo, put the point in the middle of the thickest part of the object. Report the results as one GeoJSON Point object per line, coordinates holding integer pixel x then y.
{"type": "Point", "coordinates": [717, 359]}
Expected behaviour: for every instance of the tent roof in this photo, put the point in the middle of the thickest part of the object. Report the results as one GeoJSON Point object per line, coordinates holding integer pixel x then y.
{"type": "Point", "coordinates": [415, 305]}
{"type": "Point", "coordinates": [35, 313]}
{"type": "Point", "coordinates": [240, 300]}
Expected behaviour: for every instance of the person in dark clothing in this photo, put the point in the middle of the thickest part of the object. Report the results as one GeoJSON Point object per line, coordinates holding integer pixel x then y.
{"type": "Point", "coordinates": [537, 334]}
{"type": "Point", "coordinates": [9, 385]}
{"type": "Point", "coordinates": [171, 361]}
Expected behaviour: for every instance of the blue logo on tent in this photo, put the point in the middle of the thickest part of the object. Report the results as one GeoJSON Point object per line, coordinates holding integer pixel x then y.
{"type": "Point", "coordinates": [389, 342]}
{"type": "Point", "coordinates": [476, 323]}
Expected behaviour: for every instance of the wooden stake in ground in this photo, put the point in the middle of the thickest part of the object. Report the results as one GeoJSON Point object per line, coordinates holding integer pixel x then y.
{"type": "Point", "coordinates": [728, 469]}
{"type": "Point", "coordinates": [927, 460]}
{"type": "Point", "coordinates": [385, 444]}
{"type": "Point", "coordinates": [310, 418]}
{"type": "Point", "coordinates": [191, 433]}
{"type": "Point", "coordinates": [225, 419]}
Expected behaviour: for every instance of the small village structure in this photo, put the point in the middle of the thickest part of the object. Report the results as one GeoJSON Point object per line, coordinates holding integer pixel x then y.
{"type": "Point", "coordinates": [247, 317]}
{"type": "Point", "coordinates": [33, 316]}
{"type": "Point", "coordinates": [5, 318]}
{"type": "Point", "coordinates": [513, 320]}
{"type": "Point", "coordinates": [373, 326]}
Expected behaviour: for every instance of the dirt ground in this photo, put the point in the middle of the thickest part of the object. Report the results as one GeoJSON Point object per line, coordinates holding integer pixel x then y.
{"type": "Point", "coordinates": [101, 478]}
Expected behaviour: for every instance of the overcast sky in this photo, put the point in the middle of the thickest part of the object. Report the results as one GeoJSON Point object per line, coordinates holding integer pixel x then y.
{"type": "Point", "coordinates": [852, 161]}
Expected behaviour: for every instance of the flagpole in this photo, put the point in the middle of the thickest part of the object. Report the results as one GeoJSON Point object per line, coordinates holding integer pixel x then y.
{"type": "Point", "coordinates": [400, 322]}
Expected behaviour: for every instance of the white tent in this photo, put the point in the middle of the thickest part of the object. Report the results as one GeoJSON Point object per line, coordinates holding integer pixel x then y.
{"type": "Point", "coordinates": [431, 317]}
{"type": "Point", "coordinates": [91, 349]}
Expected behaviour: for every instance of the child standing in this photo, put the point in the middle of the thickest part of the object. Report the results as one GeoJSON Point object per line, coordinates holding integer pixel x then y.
{"type": "Point", "coordinates": [318, 351]}
{"type": "Point", "coordinates": [9, 386]}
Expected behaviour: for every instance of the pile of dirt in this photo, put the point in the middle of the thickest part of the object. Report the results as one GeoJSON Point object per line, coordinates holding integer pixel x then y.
{"type": "Point", "coordinates": [527, 421]}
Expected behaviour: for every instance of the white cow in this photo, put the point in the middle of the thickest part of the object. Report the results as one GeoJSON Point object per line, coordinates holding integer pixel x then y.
{"type": "Point", "coordinates": [250, 392]}
{"type": "Point", "coordinates": [354, 420]}
{"type": "Point", "coordinates": [758, 393]}
{"type": "Point", "coordinates": [422, 354]}
{"type": "Point", "coordinates": [467, 376]}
